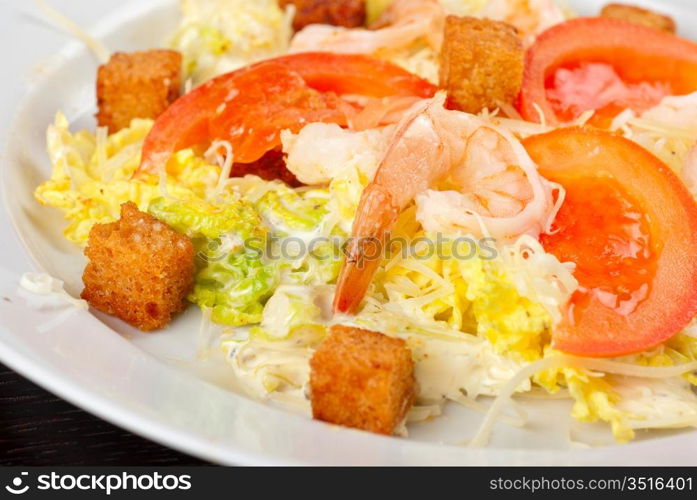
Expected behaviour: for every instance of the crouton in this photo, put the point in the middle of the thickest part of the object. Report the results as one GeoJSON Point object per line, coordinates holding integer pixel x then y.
{"type": "Point", "coordinates": [137, 85]}
{"type": "Point", "coordinates": [481, 63]}
{"type": "Point", "coordinates": [362, 379]}
{"type": "Point", "coordinates": [346, 13]}
{"type": "Point", "coordinates": [139, 269]}
{"type": "Point", "coordinates": [639, 15]}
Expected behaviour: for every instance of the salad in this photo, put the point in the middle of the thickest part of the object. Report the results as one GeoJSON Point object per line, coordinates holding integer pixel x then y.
{"type": "Point", "coordinates": [380, 207]}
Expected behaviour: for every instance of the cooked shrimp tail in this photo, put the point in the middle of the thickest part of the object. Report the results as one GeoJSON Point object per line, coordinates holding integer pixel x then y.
{"type": "Point", "coordinates": [377, 214]}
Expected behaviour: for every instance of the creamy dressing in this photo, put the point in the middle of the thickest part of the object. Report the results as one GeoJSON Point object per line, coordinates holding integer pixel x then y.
{"type": "Point", "coordinates": [45, 285]}
{"type": "Point", "coordinates": [662, 403]}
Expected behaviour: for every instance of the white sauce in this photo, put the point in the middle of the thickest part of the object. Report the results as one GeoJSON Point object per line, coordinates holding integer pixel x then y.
{"type": "Point", "coordinates": [45, 285]}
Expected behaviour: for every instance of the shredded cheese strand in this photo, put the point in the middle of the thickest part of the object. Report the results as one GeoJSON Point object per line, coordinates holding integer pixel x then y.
{"type": "Point", "coordinates": [561, 197]}
{"type": "Point", "coordinates": [481, 438]}
{"type": "Point", "coordinates": [98, 48]}
{"type": "Point", "coordinates": [225, 162]}
{"type": "Point", "coordinates": [630, 370]}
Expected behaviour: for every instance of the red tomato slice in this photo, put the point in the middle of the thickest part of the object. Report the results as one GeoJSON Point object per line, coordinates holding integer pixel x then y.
{"type": "Point", "coordinates": [630, 225]}
{"type": "Point", "coordinates": [637, 53]}
{"type": "Point", "coordinates": [275, 98]}
{"type": "Point", "coordinates": [251, 106]}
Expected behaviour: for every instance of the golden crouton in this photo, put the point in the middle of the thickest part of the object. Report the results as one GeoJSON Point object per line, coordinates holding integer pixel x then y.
{"type": "Point", "coordinates": [137, 85]}
{"type": "Point", "coordinates": [639, 15]}
{"type": "Point", "coordinates": [481, 63]}
{"type": "Point", "coordinates": [362, 379]}
{"type": "Point", "coordinates": [346, 13]}
{"type": "Point", "coordinates": [139, 269]}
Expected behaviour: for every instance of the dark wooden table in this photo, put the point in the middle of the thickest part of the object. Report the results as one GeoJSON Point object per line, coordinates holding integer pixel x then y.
{"type": "Point", "coordinates": [37, 428]}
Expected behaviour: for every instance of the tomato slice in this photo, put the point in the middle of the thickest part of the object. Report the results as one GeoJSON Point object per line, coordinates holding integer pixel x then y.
{"type": "Point", "coordinates": [274, 98]}
{"type": "Point", "coordinates": [630, 225]}
{"type": "Point", "coordinates": [249, 107]}
{"type": "Point", "coordinates": [638, 54]}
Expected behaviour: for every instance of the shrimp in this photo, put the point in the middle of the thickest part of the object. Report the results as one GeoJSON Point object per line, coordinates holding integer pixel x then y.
{"type": "Point", "coordinates": [497, 183]}
{"type": "Point", "coordinates": [320, 152]}
{"type": "Point", "coordinates": [530, 17]}
{"type": "Point", "coordinates": [403, 23]}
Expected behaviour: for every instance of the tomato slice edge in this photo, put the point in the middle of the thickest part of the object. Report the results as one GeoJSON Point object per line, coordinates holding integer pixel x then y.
{"type": "Point", "coordinates": [672, 301]}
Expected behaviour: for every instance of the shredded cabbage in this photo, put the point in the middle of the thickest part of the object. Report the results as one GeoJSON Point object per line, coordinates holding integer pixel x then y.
{"type": "Point", "coordinates": [295, 306]}
{"type": "Point", "coordinates": [647, 394]}
{"type": "Point", "coordinates": [218, 36]}
{"type": "Point", "coordinates": [197, 218]}
{"type": "Point", "coordinates": [272, 361]}
{"type": "Point", "coordinates": [539, 276]}
{"type": "Point", "coordinates": [481, 290]}
{"type": "Point", "coordinates": [91, 176]}
{"type": "Point", "coordinates": [232, 279]}
{"type": "Point", "coordinates": [668, 130]}
{"type": "Point", "coordinates": [277, 370]}
{"type": "Point", "coordinates": [449, 364]}
{"type": "Point", "coordinates": [235, 288]}
{"type": "Point", "coordinates": [596, 397]}
{"type": "Point", "coordinates": [288, 211]}
{"type": "Point", "coordinates": [233, 224]}
{"type": "Point", "coordinates": [252, 247]}
{"type": "Point", "coordinates": [306, 251]}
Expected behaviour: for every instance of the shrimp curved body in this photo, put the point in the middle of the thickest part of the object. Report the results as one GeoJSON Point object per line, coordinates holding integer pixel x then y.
{"type": "Point", "coordinates": [497, 186]}
{"type": "Point", "coordinates": [403, 23]}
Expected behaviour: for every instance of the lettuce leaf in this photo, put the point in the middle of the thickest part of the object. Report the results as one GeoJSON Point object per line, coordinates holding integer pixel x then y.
{"type": "Point", "coordinates": [302, 241]}
{"type": "Point", "coordinates": [235, 288]}
{"type": "Point", "coordinates": [232, 278]}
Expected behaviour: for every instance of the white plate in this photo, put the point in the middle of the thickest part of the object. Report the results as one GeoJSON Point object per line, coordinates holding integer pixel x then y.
{"type": "Point", "coordinates": [151, 384]}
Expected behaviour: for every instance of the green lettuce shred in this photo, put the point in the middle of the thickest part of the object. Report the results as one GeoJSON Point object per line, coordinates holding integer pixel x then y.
{"type": "Point", "coordinates": [242, 250]}
{"type": "Point", "coordinates": [301, 215]}
{"type": "Point", "coordinates": [232, 279]}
